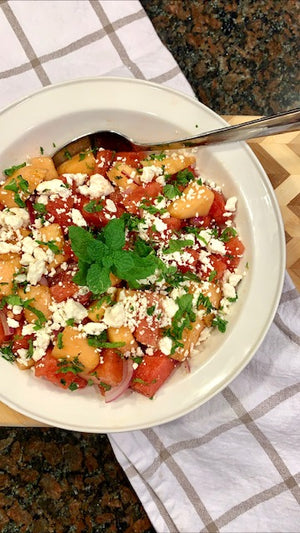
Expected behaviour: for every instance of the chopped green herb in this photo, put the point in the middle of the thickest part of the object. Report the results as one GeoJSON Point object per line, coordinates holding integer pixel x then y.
{"type": "Point", "coordinates": [7, 353]}
{"type": "Point", "coordinates": [41, 150]}
{"type": "Point", "coordinates": [60, 344]}
{"type": "Point", "coordinates": [66, 365]}
{"type": "Point", "coordinates": [51, 245]}
{"type": "Point", "coordinates": [73, 386]}
{"type": "Point", "coordinates": [171, 191]}
{"type": "Point", "coordinates": [205, 301]}
{"type": "Point", "coordinates": [145, 204]}
{"type": "Point", "coordinates": [30, 349]}
{"type": "Point", "coordinates": [150, 310]}
{"type": "Point", "coordinates": [40, 208]}
{"type": "Point", "coordinates": [105, 386]}
{"type": "Point", "coordinates": [93, 207]}
{"type": "Point", "coordinates": [220, 323]}
{"type": "Point", "coordinates": [157, 157]}
{"type": "Point", "coordinates": [70, 322]}
{"type": "Point", "coordinates": [9, 171]}
{"type": "Point", "coordinates": [67, 154]}
{"type": "Point", "coordinates": [176, 245]}
{"type": "Point", "coordinates": [212, 275]}
{"type": "Point", "coordinates": [227, 234]}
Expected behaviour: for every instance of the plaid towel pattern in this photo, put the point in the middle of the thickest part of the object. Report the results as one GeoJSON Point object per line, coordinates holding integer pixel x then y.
{"type": "Point", "coordinates": [232, 465]}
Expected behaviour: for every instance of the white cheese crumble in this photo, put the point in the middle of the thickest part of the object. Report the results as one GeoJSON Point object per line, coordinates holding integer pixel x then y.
{"type": "Point", "coordinates": [77, 218]}
{"type": "Point", "coordinates": [165, 345]}
{"type": "Point", "coordinates": [231, 204]}
{"type": "Point", "coordinates": [54, 187]}
{"type": "Point", "coordinates": [115, 316]}
{"type": "Point", "coordinates": [97, 186]}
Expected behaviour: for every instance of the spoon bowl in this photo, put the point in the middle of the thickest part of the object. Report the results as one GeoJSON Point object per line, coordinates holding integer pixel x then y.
{"type": "Point", "coordinates": [112, 140]}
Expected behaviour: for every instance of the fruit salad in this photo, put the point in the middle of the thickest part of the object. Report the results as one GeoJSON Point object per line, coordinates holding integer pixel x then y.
{"type": "Point", "coordinates": [114, 266]}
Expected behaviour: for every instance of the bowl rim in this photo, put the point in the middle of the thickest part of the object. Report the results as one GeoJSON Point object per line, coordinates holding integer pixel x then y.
{"type": "Point", "coordinates": [277, 213]}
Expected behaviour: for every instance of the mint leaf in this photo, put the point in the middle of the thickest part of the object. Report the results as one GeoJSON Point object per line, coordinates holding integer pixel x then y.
{"type": "Point", "coordinates": [80, 276]}
{"type": "Point", "coordinates": [80, 238]}
{"type": "Point", "coordinates": [183, 177]}
{"type": "Point", "coordinates": [96, 250]}
{"type": "Point", "coordinates": [114, 233]}
{"type": "Point", "coordinates": [93, 207]}
{"type": "Point", "coordinates": [98, 279]}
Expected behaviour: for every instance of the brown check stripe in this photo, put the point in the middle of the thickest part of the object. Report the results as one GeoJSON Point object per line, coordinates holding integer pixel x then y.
{"type": "Point", "coordinates": [280, 158]}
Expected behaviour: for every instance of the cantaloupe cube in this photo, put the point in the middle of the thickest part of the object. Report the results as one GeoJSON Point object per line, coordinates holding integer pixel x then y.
{"type": "Point", "coordinates": [41, 296]}
{"type": "Point", "coordinates": [189, 339]}
{"type": "Point", "coordinates": [122, 334]}
{"type": "Point", "coordinates": [47, 164]}
{"type": "Point", "coordinates": [75, 346]}
{"type": "Point", "coordinates": [9, 265]}
{"type": "Point", "coordinates": [78, 165]}
{"type": "Point", "coordinates": [195, 201]}
{"type": "Point", "coordinates": [33, 176]}
{"type": "Point", "coordinates": [124, 176]}
{"type": "Point", "coordinates": [171, 165]}
{"type": "Point", "coordinates": [53, 233]}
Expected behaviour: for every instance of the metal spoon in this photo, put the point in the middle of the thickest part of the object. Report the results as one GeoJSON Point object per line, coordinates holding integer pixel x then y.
{"type": "Point", "coordinates": [262, 127]}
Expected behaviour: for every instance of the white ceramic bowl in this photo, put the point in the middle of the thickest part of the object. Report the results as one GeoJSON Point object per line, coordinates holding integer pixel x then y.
{"type": "Point", "coordinates": [150, 112]}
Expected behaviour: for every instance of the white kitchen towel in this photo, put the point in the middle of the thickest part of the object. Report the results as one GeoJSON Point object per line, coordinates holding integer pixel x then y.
{"type": "Point", "coordinates": [232, 465]}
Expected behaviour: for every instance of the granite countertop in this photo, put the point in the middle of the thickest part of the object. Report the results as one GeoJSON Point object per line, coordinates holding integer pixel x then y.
{"type": "Point", "coordinates": [240, 58]}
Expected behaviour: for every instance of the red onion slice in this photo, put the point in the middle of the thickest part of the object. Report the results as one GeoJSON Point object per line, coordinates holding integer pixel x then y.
{"type": "Point", "coordinates": [119, 389]}
{"type": "Point", "coordinates": [29, 206]}
{"type": "Point", "coordinates": [7, 331]}
{"type": "Point", "coordinates": [44, 281]}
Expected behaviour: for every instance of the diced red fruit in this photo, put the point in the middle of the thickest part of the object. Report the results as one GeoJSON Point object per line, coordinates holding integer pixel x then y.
{"type": "Point", "coordinates": [152, 373]}
{"type": "Point", "coordinates": [173, 224]}
{"type": "Point", "coordinates": [63, 287]}
{"type": "Point", "coordinates": [191, 263]}
{"type": "Point", "coordinates": [2, 336]}
{"type": "Point", "coordinates": [60, 209]}
{"type": "Point", "coordinates": [148, 335]}
{"type": "Point", "coordinates": [110, 371]}
{"type": "Point", "coordinates": [21, 342]}
{"type": "Point", "coordinates": [200, 222]}
{"type": "Point", "coordinates": [133, 159]}
{"type": "Point", "coordinates": [235, 250]}
{"type": "Point", "coordinates": [104, 159]}
{"type": "Point", "coordinates": [68, 252]}
{"type": "Point", "coordinates": [217, 209]}
{"type": "Point", "coordinates": [218, 264]}
{"type": "Point", "coordinates": [149, 192]}
{"type": "Point", "coordinates": [48, 367]}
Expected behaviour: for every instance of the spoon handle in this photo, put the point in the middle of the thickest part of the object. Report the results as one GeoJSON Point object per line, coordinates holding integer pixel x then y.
{"type": "Point", "coordinates": [261, 127]}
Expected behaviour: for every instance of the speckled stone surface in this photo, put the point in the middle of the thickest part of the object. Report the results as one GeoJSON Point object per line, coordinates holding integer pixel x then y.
{"type": "Point", "coordinates": [55, 481]}
{"type": "Point", "coordinates": [240, 57]}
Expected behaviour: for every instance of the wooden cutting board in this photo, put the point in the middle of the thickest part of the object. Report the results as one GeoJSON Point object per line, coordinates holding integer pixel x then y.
{"type": "Point", "coordinates": [280, 157]}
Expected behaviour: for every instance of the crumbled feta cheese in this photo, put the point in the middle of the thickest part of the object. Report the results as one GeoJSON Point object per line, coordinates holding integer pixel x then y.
{"type": "Point", "coordinates": [170, 307]}
{"type": "Point", "coordinates": [228, 290]}
{"type": "Point", "coordinates": [114, 316]}
{"type": "Point", "coordinates": [14, 217]}
{"type": "Point", "coordinates": [94, 328]}
{"type": "Point", "coordinates": [77, 218]}
{"type": "Point", "coordinates": [35, 271]}
{"type": "Point", "coordinates": [78, 178]}
{"type": "Point", "coordinates": [54, 187]}
{"type": "Point", "coordinates": [217, 246]}
{"type": "Point", "coordinates": [165, 345]}
{"type": "Point", "coordinates": [12, 323]}
{"type": "Point", "coordinates": [231, 204]}
{"type": "Point", "coordinates": [149, 172]}
{"type": "Point", "coordinates": [97, 186]}
{"type": "Point", "coordinates": [111, 206]}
